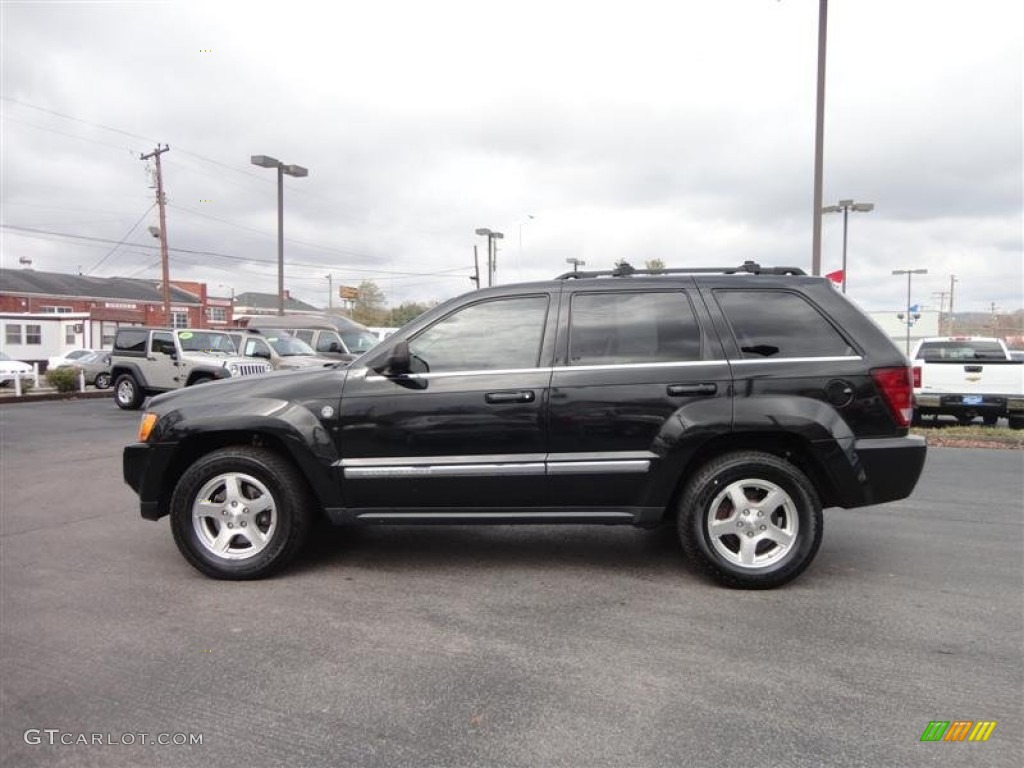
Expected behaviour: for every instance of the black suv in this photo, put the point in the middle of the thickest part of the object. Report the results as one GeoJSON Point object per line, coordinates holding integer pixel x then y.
{"type": "Point", "coordinates": [734, 403]}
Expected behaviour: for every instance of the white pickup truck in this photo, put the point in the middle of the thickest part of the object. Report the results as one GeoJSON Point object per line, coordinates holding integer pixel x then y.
{"type": "Point", "coordinates": [966, 377]}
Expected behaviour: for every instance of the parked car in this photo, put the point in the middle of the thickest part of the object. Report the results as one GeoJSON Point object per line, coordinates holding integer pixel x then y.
{"type": "Point", "coordinates": [966, 377]}
{"type": "Point", "coordinates": [95, 366]}
{"type": "Point", "coordinates": [329, 335]}
{"type": "Point", "coordinates": [9, 368]}
{"type": "Point", "coordinates": [68, 357]}
{"type": "Point", "coordinates": [733, 404]}
{"type": "Point", "coordinates": [147, 361]}
{"type": "Point", "coordinates": [282, 351]}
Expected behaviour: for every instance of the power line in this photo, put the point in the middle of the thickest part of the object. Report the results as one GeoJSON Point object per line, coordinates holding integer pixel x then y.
{"type": "Point", "coordinates": [122, 241]}
{"type": "Point", "coordinates": [214, 254]}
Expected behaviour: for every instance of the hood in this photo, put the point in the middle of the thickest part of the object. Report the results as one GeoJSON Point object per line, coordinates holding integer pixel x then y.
{"type": "Point", "coordinates": [281, 386]}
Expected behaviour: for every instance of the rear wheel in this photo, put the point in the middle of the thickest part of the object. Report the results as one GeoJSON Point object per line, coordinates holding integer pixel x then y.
{"type": "Point", "coordinates": [990, 419]}
{"type": "Point", "coordinates": [102, 381]}
{"type": "Point", "coordinates": [127, 393]}
{"type": "Point", "coordinates": [1017, 422]}
{"type": "Point", "coordinates": [750, 520]}
{"type": "Point", "coordinates": [240, 513]}
{"type": "Point", "coordinates": [200, 380]}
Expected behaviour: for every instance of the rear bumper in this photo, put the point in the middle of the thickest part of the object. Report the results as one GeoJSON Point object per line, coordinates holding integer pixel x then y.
{"type": "Point", "coordinates": [144, 468]}
{"type": "Point", "coordinates": [891, 467]}
{"type": "Point", "coordinates": [962, 404]}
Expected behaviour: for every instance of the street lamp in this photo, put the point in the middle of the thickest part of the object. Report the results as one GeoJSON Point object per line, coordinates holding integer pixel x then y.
{"type": "Point", "coordinates": [264, 161]}
{"type": "Point", "coordinates": [909, 319]}
{"type": "Point", "coordinates": [846, 206]}
{"type": "Point", "coordinates": [492, 252]}
{"type": "Point", "coordinates": [576, 263]}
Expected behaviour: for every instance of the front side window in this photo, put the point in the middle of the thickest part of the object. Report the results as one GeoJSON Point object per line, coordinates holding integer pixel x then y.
{"type": "Point", "coordinates": [491, 335]}
{"type": "Point", "coordinates": [163, 343]}
{"type": "Point", "coordinates": [632, 327]}
{"type": "Point", "coordinates": [256, 348]}
{"type": "Point", "coordinates": [359, 341]}
{"type": "Point", "coordinates": [329, 341]}
{"type": "Point", "coordinates": [777, 324]}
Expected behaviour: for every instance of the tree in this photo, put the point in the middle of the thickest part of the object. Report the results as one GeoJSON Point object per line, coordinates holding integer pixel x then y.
{"type": "Point", "coordinates": [369, 308]}
{"type": "Point", "coordinates": [406, 311]}
{"type": "Point", "coordinates": [655, 265]}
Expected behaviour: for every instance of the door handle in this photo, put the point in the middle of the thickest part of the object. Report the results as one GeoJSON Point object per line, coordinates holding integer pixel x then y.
{"type": "Point", "coordinates": [675, 390]}
{"type": "Point", "coordinates": [525, 396]}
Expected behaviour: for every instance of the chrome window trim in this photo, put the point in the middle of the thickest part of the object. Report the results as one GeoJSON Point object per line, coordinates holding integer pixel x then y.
{"type": "Point", "coordinates": [498, 465]}
{"type": "Point", "coordinates": [429, 461]}
{"type": "Point", "coordinates": [830, 359]}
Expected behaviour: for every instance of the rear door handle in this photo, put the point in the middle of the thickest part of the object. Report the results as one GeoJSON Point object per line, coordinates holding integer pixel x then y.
{"type": "Point", "coordinates": [675, 390]}
{"type": "Point", "coordinates": [524, 396]}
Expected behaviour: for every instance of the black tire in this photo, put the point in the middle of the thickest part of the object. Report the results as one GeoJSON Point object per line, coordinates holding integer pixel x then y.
{"type": "Point", "coordinates": [200, 380]}
{"type": "Point", "coordinates": [102, 381]}
{"type": "Point", "coordinates": [964, 420]}
{"type": "Point", "coordinates": [265, 479]}
{"type": "Point", "coordinates": [797, 513]}
{"type": "Point", "coordinates": [990, 420]}
{"type": "Point", "coordinates": [1017, 422]}
{"type": "Point", "coordinates": [127, 393]}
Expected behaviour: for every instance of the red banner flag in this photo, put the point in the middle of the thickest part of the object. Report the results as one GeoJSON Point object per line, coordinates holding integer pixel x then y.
{"type": "Point", "coordinates": [836, 277]}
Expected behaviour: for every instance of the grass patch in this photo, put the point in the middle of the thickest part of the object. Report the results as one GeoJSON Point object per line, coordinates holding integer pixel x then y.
{"type": "Point", "coordinates": [971, 437]}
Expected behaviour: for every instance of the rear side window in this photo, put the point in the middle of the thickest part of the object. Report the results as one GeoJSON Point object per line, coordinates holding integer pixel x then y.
{"type": "Point", "coordinates": [776, 324]}
{"type": "Point", "coordinates": [131, 341]}
{"type": "Point", "coordinates": [632, 327]}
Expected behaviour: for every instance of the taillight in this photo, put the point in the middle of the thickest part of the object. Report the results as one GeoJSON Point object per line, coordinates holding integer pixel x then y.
{"type": "Point", "coordinates": [897, 388]}
{"type": "Point", "coordinates": [917, 377]}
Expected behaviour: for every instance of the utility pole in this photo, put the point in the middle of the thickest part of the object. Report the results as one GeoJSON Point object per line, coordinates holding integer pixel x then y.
{"type": "Point", "coordinates": [941, 295]}
{"type": "Point", "coordinates": [330, 292]}
{"type": "Point", "coordinates": [476, 268]}
{"type": "Point", "coordinates": [952, 318]}
{"type": "Point", "coordinates": [819, 139]}
{"type": "Point", "coordinates": [163, 229]}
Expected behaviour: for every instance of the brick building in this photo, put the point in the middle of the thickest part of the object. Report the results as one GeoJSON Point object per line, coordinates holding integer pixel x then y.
{"type": "Point", "coordinates": [43, 310]}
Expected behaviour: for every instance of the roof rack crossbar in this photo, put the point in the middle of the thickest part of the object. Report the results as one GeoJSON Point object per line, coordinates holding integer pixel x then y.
{"type": "Point", "coordinates": [627, 270]}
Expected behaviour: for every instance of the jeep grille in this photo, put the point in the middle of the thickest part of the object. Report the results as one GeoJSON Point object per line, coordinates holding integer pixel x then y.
{"type": "Point", "coordinates": [250, 369]}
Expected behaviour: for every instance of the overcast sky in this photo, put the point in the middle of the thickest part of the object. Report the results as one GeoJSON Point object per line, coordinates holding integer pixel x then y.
{"type": "Point", "coordinates": [673, 129]}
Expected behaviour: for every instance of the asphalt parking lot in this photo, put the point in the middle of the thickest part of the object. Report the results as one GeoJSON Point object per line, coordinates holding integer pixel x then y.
{"type": "Point", "coordinates": [557, 646]}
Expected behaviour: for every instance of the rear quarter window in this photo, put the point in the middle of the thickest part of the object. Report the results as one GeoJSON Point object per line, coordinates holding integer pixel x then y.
{"type": "Point", "coordinates": [131, 341]}
{"type": "Point", "coordinates": [780, 324]}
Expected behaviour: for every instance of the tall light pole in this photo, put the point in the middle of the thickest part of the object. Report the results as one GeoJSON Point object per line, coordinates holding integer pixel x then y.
{"type": "Point", "coordinates": [576, 263]}
{"type": "Point", "coordinates": [819, 139]}
{"type": "Point", "coordinates": [492, 252]}
{"type": "Point", "coordinates": [529, 218]}
{"type": "Point", "coordinates": [846, 206]}
{"type": "Point", "coordinates": [909, 273]}
{"type": "Point", "coordinates": [330, 291]}
{"type": "Point", "coordinates": [264, 161]}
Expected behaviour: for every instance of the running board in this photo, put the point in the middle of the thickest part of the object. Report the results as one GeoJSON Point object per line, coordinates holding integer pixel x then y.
{"type": "Point", "coordinates": [499, 516]}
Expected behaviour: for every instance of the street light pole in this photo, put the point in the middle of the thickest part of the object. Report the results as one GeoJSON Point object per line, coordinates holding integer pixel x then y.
{"type": "Point", "coordinates": [819, 139]}
{"type": "Point", "coordinates": [492, 251]}
{"type": "Point", "coordinates": [909, 273]}
{"type": "Point", "coordinates": [576, 263]}
{"type": "Point", "coordinates": [846, 206]}
{"type": "Point", "coordinates": [265, 161]}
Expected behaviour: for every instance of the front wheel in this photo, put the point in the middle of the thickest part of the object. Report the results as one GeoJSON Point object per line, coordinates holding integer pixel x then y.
{"type": "Point", "coordinates": [750, 520]}
{"type": "Point", "coordinates": [240, 513]}
{"type": "Point", "coordinates": [102, 381]}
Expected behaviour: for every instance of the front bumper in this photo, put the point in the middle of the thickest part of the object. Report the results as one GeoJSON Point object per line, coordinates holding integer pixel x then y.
{"type": "Point", "coordinates": [891, 465]}
{"type": "Point", "coordinates": [144, 466]}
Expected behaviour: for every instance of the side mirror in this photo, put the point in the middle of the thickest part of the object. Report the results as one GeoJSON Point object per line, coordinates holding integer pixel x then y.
{"type": "Point", "coordinates": [399, 361]}
{"type": "Point", "coordinates": [334, 347]}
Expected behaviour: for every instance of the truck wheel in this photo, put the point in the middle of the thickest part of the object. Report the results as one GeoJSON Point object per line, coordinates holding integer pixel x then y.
{"type": "Point", "coordinates": [200, 380]}
{"type": "Point", "coordinates": [240, 513]}
{"type": "Point", "coordinates": [102, 381]}
{"type": "Point", "coordinates": [750, 520]}
{"type": "Point", "coordinates": [127, 393]}
{"type": "Point", "coordinates": [1017, 422]}
{"type": "Point", "coordinates": [990, 420]}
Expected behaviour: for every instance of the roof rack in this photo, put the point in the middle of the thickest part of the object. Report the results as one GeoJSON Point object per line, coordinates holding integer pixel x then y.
{"type": "Point", "coordinates": [628, 270]}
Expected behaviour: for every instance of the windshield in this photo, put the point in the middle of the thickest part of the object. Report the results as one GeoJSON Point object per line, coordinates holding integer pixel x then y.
{"type": "Point", "coordinates": [359, 341]}
{"type": "Point", "coordinates": [206, 341]}
{"type": "Point", "coordinates": [289, 346]}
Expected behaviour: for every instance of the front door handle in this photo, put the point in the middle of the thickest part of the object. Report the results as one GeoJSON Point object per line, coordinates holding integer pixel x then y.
{"type": "Point", "coordinates": [707, 388]}
{"type": "Point", "coordinates": [524, 396]}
